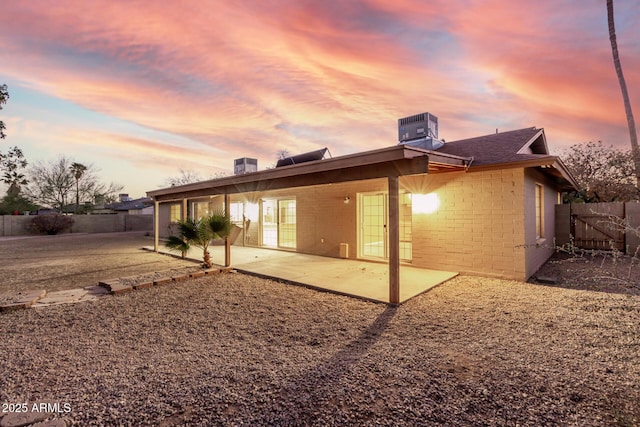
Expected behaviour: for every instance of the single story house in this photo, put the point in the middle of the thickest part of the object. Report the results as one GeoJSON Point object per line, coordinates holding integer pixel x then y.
{"type": "Point", "coordinates": [482, 206]}
{"type": "Point", "coordinates": [125, 205]}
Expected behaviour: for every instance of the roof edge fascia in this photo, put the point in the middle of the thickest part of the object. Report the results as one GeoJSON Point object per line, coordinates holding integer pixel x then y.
{"type": "Point", "coordinates": [547, 161]}
{"type": "Point", "coordinates": [379, 156]}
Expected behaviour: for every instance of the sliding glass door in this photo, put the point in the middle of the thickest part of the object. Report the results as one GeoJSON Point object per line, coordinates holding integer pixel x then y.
{"type": "Point", "coordinates": [279, 223]}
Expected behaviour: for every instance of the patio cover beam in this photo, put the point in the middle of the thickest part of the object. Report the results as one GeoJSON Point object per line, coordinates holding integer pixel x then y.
{"type": "Point", "coordinates": [417, 165]}
{"type": "Point", "coordinates": [394, 240]}
{"type": "Point", "coordinates": [227, 242]}
{"type": "Point", "coordinates": [397, 160]}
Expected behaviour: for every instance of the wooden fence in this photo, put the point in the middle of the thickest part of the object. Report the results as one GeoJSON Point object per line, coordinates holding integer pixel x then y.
{"type": "Point", "coordinates": [591, 226]}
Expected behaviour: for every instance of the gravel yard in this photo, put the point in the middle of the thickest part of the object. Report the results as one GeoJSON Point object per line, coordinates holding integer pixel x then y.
{"type": "Point", "coordinates": [71, 261]}
{"type": "Point", "coordinates": [238, 350]}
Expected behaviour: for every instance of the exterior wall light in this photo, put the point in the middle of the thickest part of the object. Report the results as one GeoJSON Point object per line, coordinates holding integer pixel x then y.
{"type": "Point", "coordinates": [424, 203]}
{"type": "Point", "coordinates": [347, 199]}
{"type": "Point", "coordinates": [252, 211]}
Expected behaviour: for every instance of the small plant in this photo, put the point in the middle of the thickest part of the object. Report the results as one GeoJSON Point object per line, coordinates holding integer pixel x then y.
{"type": "Point", "coordinates": [51, 224]}
{"type": "Point", "coordinates": [199, 233]}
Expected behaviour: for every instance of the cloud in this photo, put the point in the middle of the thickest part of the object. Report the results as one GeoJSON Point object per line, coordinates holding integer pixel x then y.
{"type": "Point", "coordinates": [235, 79]}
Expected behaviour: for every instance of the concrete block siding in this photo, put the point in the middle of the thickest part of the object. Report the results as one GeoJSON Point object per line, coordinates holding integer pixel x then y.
{"type": "Point", "coordinates": [479, 226]}
{"type": "Point", "coordinates": [485, 223]}
{"type": "Point", "coordinates": [20, 225]}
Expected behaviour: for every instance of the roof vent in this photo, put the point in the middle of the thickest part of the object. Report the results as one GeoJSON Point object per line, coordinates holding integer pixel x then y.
{"type": "Point", "coordinates": [304, 157]}
{"type": "Point", "coordinates": [420, 130]}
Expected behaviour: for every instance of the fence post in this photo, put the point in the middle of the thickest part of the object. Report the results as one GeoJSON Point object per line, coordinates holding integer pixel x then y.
{"type": "Point", "coordinates": [563, 224]}
{"type": "Point", "coordinates": [632, 238]}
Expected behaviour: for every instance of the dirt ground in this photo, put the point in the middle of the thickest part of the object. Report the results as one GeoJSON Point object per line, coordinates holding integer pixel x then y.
{"type": "Point", "coordinates": [238, 350]}
{"type": "Point", "coordinates": [72, 261]}
{"type": "Point", "coordinates": [232, 349]}
{"type": "Point", "coordinates": [602, 271]}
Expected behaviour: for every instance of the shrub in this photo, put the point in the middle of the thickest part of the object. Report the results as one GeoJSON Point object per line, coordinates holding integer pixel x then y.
{"type": "Point", "coordinates": [51, 224]}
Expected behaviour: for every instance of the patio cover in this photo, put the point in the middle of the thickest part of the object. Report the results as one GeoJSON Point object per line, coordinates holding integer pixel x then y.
{"type": "Point", "coordinates": [390, 163]}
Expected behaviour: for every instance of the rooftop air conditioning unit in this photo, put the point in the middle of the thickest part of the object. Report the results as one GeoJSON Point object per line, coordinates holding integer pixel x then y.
{"type": "Point", "coordinates": [423, 125]}
{"type": "Point", "coordinates": [245, 165]}
{"type": "Point", "coordinates": [420, 130]}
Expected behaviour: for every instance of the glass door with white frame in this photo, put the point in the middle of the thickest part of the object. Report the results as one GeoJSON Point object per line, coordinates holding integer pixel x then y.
{"type": "Point", "coordinates": [373, 220]}
{"type": "Point", "coordinates": [373, 225]}
{"type": "Point", "coordinates": [279, 223]}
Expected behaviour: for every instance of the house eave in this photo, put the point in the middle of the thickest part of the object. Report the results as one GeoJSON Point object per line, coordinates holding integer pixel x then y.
{"type": "Point", "coordinates": [548, 164]}
{"type": "Point", "coordinates": [390, 161]}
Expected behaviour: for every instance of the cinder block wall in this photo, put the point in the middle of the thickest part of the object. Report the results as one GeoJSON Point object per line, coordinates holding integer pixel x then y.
{"type": "Point", "coordinates": [538, 252]}
{"type": "Point", "coordinates": [16, 225]}
{"type": "Point", "coordinates": [481, 226]}
{"type": "Point", "coordinates": [20, 225]}
{"type": "Point", "coordinates": [97, 223]}
{"type": "Point", "coordinates": [325, 221]}
{"type": "Point", "coordinates": [478, 227]}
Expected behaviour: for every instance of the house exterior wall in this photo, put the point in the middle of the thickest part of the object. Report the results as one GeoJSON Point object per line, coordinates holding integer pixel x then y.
{"type": "Point", "coordinates": [538, 251]}
{"type": "Point", "coordinates": [325, 221]}
{"type": "Point", "coordinates": [164, 223]}
{"type": "Point", "coordinates": [479, 226]}
{"type": "Point", "coordinates": [484, 225]}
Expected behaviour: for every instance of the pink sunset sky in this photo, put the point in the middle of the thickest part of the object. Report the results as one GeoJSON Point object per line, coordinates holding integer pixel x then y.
{"type": "Point", "coordinates": [144, 88]}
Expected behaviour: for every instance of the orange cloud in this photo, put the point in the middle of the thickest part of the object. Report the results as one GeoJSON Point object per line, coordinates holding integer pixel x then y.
{"type": "Point", "coordinates": [236, 79]}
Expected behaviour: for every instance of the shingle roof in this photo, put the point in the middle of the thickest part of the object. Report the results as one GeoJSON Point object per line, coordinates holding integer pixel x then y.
{"type": "Point", "coordinates": [140, 203]}
{"type": "Point", "coordinates": [499, 148]}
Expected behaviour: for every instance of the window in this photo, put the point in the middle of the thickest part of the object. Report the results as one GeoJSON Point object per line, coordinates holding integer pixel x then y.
{"type": "Point", "coordinates": [236, 211]}
{"type": "Point", "coordinates": [539, 212]}
{"type": "Point", "coordinates": [201, 209]}
{"type": "Point", "coordinates": [175, 213]}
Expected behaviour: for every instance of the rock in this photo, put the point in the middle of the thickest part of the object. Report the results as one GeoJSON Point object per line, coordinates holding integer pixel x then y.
{"type": "Point", "coordinates": [19, 419]}
{"type": "Point", "coordinates": [21, 300]}
{"type": "Point", "coordinates": [162, 281]}
{"type": "Point", "coordinates": [143, 285]}
{"type": "Point", "coordinates": [550, 280]}
{"type": "Point", "coordinates": [115, 286]}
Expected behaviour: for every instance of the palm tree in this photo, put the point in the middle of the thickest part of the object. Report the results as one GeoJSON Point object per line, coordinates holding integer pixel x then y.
{"type": "Point", "coordinates": [199, 233]}
{"type": "Point", "coordinates": [635, 150]}
{"type": "Point", "coordinates": [78, 170]}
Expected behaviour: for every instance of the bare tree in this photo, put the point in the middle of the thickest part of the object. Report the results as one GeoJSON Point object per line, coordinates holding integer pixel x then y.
{"type": "Point", "coordinates": [635, 149]}
{"type": "Point", "coordinates": [53, 183]}
{"type": "Point", "coordinates": [603, 173]}
{"type": "Point", "coordinates": [185, 177]}
{"type": "Point", "coordinates": [282, 153]}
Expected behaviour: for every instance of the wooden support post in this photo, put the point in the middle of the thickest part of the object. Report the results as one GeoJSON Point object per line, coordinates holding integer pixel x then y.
{"type": "Point", "coordinates": [394, 241]}
{"type": "Point", "coordinates": [227, 242]}
{"type": "Point", "coordinates": [183, 214]}
{"type": "Point", "coordinates": [156, 225]}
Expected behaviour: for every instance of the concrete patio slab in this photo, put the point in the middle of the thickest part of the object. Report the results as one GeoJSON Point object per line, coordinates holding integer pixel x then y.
{"type": "Point", "coordinates": [359, 278]}
{"type": "Point", "coordinates": [20, 300]}
{"type": "Point", "coordinates": [71, 295]}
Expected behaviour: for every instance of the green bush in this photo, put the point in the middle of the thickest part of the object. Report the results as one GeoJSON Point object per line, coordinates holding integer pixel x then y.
{"type": "Point", "coordinates": [51, 224]}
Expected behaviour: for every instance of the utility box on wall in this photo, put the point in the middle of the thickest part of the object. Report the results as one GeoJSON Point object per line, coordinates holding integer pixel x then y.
{"type": "Point", "coordinates": [344, 250]}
